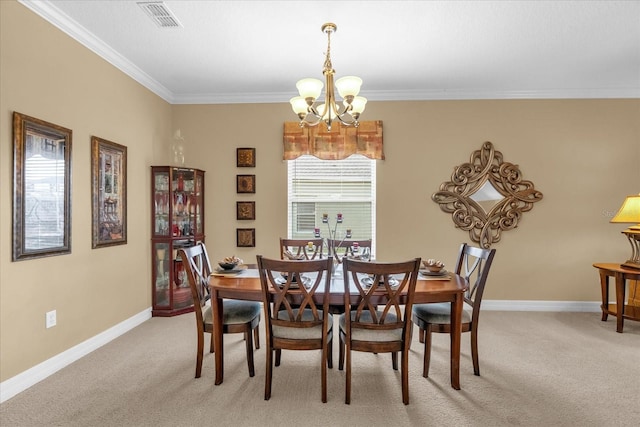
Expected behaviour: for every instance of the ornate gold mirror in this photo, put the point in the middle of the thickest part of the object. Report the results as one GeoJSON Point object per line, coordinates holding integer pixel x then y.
{"type": "Point", "coordinates": [486, 196]}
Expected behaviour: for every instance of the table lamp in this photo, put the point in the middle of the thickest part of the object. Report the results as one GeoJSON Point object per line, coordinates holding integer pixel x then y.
{"type": "Point", "coordinates": [630, 213]}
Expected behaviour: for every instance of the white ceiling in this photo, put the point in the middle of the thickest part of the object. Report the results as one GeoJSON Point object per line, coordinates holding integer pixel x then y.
{"type": "Point", "coordinates": [255, 51]}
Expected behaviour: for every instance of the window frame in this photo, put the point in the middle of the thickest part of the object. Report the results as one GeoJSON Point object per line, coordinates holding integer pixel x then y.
{"type": "Point", "coordinates": [352, 197]}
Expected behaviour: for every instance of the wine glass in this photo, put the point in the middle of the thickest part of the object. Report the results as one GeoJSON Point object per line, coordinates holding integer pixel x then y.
{"type": "Point", "coordinates": [366, 254]}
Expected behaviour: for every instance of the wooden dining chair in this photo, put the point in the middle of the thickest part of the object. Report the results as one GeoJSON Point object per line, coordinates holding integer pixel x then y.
{"type": "Point", "coordinates": [294, 320]}
{"type": "Point", "coordinates": [473, 264]}
{"type": "Point", "coordinates": [377, 321]}
{"type": "Point", "coordinates": [239, 316]}
{"type": "Point", "coordinates": [345, 247]}
{"type": "Point", "coordinates": [298, 249]}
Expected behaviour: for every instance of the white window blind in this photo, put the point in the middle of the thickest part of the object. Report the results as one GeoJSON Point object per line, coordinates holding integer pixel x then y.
{"type": "Point", "coordinates": [316, 187]}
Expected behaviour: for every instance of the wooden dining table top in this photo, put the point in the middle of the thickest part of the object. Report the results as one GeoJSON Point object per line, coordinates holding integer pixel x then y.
{"type": "Point", "coordinates": [246, 285]}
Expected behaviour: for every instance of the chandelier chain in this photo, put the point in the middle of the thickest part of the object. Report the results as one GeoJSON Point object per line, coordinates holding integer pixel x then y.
{"type": "Point", "coordinates": [327, 62]}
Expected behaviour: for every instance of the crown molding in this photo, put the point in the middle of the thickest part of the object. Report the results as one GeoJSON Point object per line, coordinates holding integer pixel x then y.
{"type": "Point", "coordinates": [464, 94]}
{"type": "Point", "coordinates": [416, 95]}
{"type": "Point", "coordinates": [232, 98]}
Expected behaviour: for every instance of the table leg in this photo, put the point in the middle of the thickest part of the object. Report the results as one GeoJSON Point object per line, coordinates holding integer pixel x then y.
{"type": "Point", "coordinates": [604, 286]}
{"type": "Point", "coordinates": [456, 335]}
{"type": "Point", "coordinates": [216, 307]}
{"type": "Point", "coordinates": [620, 282]}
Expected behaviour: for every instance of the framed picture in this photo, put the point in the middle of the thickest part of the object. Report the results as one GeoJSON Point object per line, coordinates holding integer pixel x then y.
{"type": "Point", "coordinates": [108, 193]}
{"type": "Point", "coordinates": [246, 157]}
{"type": "Point", "coordinates": [246, 183]}
{"type": "Point", "coordinates": [41, 188]}
{"type": "Point", "coordinates": [245, 237]}
{"type": "Point", "coordinates": [245, 210]}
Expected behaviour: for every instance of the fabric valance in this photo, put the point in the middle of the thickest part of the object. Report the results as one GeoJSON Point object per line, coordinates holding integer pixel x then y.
{"type": "Point", "coordinates": [339, 143]}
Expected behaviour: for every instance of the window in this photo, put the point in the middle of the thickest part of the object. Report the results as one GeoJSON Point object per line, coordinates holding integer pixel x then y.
{"type": "Point", "coordinates": [344, 186]}
{"type": "Point", "coordinates": [305, 218]}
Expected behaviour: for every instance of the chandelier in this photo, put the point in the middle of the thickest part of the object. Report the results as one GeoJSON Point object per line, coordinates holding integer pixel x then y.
{"type": "Point", "coordinates": [311, 112]}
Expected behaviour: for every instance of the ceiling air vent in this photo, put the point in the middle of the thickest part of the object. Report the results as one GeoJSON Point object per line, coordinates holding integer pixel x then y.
{"type": "Point", "coordinates": [160, 14]}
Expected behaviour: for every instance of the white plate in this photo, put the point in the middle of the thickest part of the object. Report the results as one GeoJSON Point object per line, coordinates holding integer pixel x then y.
{"type": "Point", "coordinates": [231, 271]}
{"type": "Point", "coordinates": [442, 272]}
{"type": "Point", "coordinates": [368, 282]}
{"type": "Point", "coordinates": [281, 280]}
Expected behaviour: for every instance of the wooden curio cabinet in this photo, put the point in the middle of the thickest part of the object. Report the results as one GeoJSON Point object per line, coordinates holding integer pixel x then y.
{"type": "Point", "coordinates": [177, 221]}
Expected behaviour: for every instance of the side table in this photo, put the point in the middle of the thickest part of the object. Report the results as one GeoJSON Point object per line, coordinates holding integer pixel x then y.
{"type": "Point", "coordinates": [619, 309]}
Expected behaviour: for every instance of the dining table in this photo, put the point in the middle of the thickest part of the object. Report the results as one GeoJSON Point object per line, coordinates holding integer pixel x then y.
{"type": "Point", "coordinates": [245, 285]}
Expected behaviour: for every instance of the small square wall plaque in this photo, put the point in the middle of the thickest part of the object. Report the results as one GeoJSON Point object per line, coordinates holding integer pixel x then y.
{"type": "Point", "coordinates": [246, 237]}
{"type": "Point", "coordinates": [245, 210]}
{"type": "Point", "coordinates": [246, 157]}
{"type": "Point", "coordinates": [245, 183]}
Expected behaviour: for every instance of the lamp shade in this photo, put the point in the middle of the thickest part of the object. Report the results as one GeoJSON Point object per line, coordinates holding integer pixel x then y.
{"type": "Point", "coordinates": [630, 211]}
{"type": "Point", "coordinates": [348, 85]}
{"type": "Point", "coordinates": [321, 111]}
{"type": "Point", "coordinates": [310, 88]}
{"type": "Point", "coordinates": [358, 104]}
{"type": "Point", "coordinates": [298, 104]}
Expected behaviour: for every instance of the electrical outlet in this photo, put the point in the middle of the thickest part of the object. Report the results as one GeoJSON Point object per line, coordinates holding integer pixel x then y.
{"type": "Point", "coordinates": [50, 318]}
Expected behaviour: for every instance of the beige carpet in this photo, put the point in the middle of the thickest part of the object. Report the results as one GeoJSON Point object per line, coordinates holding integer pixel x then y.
{"type": "Point", "coordinates": [551, 369]}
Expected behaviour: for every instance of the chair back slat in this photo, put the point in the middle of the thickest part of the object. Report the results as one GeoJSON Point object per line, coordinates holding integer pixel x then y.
{"type": "Point", "coordinates": [379, 286]}
{"type": "Point", "coordinates": [474, 264]}
{"type": "Point", "coordinates": [298, 249]}
{"type": "Point", "coordinates": [198, 271]}
{"type": "Point", "coordinates": [290, 288]}
{"type": "Point", "coordinates": [347, 245]}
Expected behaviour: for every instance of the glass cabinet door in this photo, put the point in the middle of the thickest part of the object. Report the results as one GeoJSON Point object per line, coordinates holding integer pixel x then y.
{"type": "Point", "coordinates": [182, 185]}
{"type": "Point", "coordinates": [196, 208]}
{"type": "Point", "coordinates": [161, 204]}
{"type": "Point", "coordinates": [181, 290]}
{"type": "Point", "coordinates": [161, 273]}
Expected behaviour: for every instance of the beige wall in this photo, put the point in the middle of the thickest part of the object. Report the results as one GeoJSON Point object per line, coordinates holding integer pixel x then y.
{"type": "Point", "coordinates": [583, 155]}
{"type": "Point", "coordinates": [46, 74]}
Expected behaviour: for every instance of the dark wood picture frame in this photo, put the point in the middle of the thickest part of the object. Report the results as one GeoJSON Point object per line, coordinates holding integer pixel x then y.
{"type": "Point", "coordinates": [41, 188]}
{"type": "Point", "coordinates": [246, 157]}
{"type": "Point", "coordinates": [245, 211]}
{"type": "Point", "coordinates": [245, 237]}
{"type": "Point", "coordinates": [245, 183]}
{"type": "Point", "coordinates": [108, 193]}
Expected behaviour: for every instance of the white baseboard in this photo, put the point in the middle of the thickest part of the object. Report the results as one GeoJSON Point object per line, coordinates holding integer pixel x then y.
{"type": "Point", "coordinates": [26, 379]}
{"type": "Point", "coordinates": [515, 305]}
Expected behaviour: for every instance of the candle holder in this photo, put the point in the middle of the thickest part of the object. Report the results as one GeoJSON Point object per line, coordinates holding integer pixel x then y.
{"type": "Point", "coordinates": [333, 236]}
